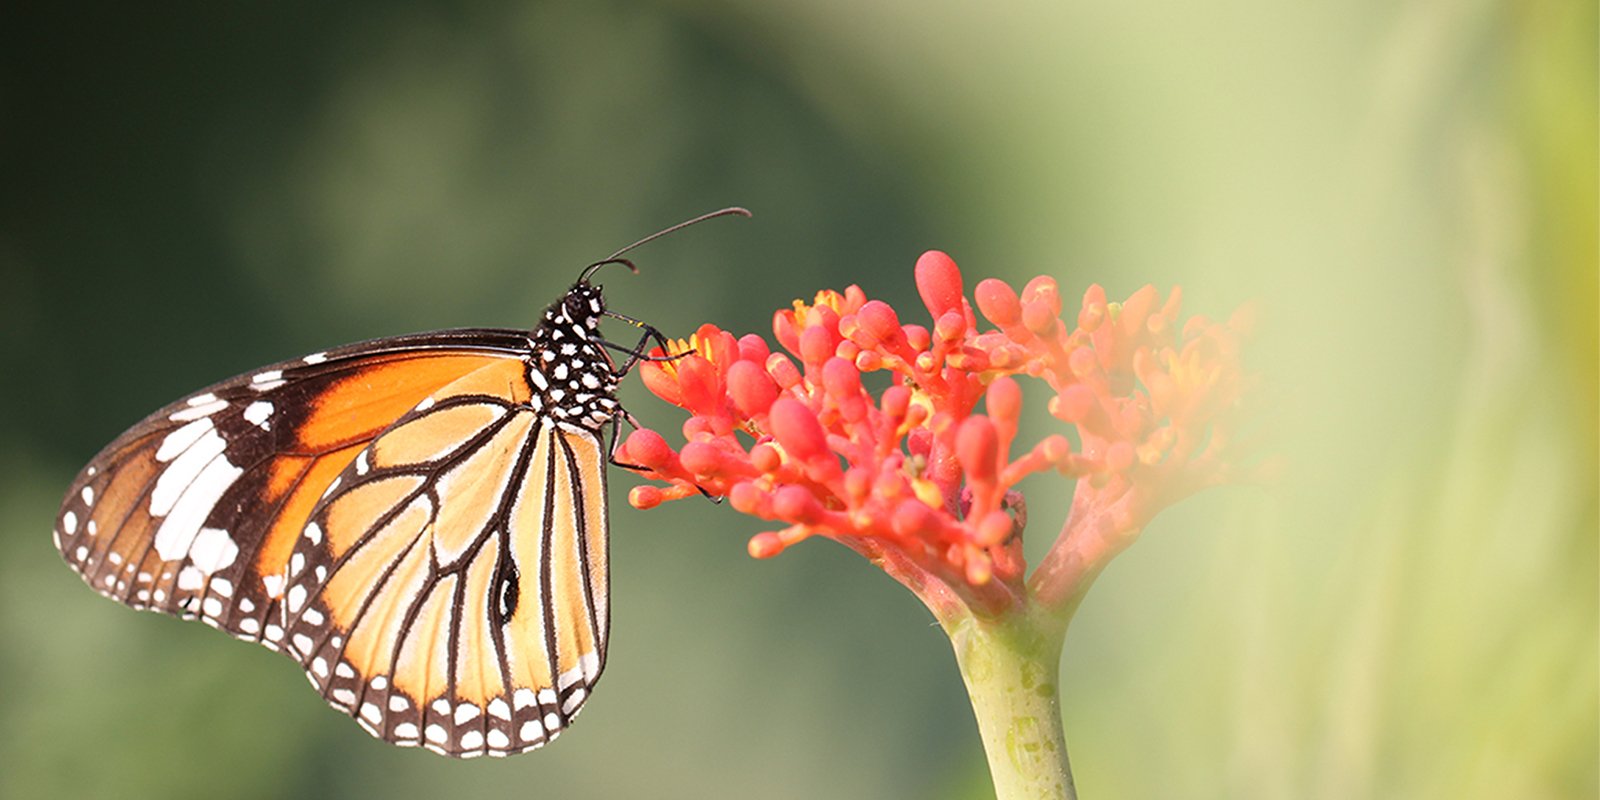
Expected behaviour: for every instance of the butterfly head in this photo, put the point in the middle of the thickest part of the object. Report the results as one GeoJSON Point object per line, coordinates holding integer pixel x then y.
{"type": "Point", "coordinates": [581, 307]}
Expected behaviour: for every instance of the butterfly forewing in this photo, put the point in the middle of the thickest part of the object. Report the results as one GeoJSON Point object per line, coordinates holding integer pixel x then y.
{"type": "Point", "coordinates": [194, 511]}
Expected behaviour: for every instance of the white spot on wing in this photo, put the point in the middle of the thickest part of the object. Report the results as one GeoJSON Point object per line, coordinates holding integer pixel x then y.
{"type": "Point", "coordinates": [213, 549]}
{"type": "Point", "coordinates": [187, 490]}
{"type": "Point", "coordinates": [499, 708]}
{"type": "Point", "coordinates": [573, 701]}
{"type": "Point", "coordinates": [258, 413]}
{"type": "Point", "coordinates": [315, 358]}
{"type": "Point", "coordinates": [523, 698]}
{"type": "Point", "coordinates": [180, 439]}
{"type": "Point", "coordinates": [194, 412]}
{"type": "Point", "coordinates": [69, 522]}
{"type": "Point", "coordinates": [190, 579]}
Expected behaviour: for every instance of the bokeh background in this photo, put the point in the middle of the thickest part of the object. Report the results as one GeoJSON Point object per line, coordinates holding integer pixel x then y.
{"type": "Point", "coordinates": [1408, 190]}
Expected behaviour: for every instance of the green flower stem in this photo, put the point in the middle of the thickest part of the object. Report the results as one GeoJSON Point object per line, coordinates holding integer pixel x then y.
{"type": "Point", "coordinates": [1011, 665]}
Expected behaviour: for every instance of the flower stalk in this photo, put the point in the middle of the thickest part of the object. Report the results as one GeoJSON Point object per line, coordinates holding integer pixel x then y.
{"type": "Point", "coordinates": [926, 486]}
{"type": "Point", "coordinates": [1010, 666]}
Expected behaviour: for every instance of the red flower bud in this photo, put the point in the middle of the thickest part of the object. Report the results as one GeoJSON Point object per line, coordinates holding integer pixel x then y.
{"type": "Point", "coordinates": [797, 429]}
{"type": "Point", "coordinates": [939, 283]}
{"type": "Point", "coordinates": [840, 379]}
{"type": "Point", "coordinates": [753, 348]}
{"type": "Point", "coordinates": [978, 447]}
{"type": "Point", "coordinates": [750, 387]}
{"type": "Point", "coordinates": [878, 320]}
{"type": "Point", "coordinates": [916, 336]}
{"type": "Point", "coordinates": [998, 302]}
{"type": "Point", "coordinates": [783, 371]}
{"type": "Point", "coordinates": [646, 448]}
{"type": "Point", "coordinates": [795, 504]}
{"type": "Point", "coordinates": [765, 545]}
{"type": "Point", "coordinates": [644, 497]}
{"type": "Point", "coordinates": [1004, 401]}
{"type": "Point", "coordinates": [912, 518]}
{"type": "Point", "coordinates": [994, 528]}
{"type": "Point", "coordinates": [765, 457]}
{"type": "Point", "coordinates": [950, 327]}
{"type": "Point", "coordinates": [703, 459]}
{"type": "Point", "coordinates": [816, 345]}
{"type": "Point", "coordinates": [746, 498]}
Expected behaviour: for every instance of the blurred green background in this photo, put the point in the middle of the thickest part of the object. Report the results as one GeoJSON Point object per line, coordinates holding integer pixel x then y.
{"type": "Point", "coordinates": [1407, 189]}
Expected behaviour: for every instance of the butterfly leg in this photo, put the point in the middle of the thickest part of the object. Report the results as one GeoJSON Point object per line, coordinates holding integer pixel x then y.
{"type": "Point", "coordinates": [616, 439]}
{"type": "Point", "coordinates": [637, 353]}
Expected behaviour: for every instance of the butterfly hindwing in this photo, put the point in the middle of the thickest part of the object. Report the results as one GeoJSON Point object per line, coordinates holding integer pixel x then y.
{"type": "Point", "coordinates": [450, 590]}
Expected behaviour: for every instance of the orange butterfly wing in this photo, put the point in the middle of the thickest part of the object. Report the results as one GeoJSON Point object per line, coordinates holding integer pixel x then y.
{"type": "Point", "coordinates": [195, 510]}
{"type": "Point", "coordinates": [452, 589]}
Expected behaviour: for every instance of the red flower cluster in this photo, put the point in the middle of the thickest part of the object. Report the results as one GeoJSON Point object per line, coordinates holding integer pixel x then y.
{"type": "Point", "coordinates": [915, 478]}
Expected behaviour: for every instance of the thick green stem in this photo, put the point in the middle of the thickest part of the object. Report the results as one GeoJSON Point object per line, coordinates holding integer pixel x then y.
{"type": "Point", "coordinates": [1011, 666]}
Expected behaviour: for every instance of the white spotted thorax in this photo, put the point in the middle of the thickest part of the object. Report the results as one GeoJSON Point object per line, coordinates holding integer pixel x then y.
{"type": "Point", "coordinates": [571, 372]}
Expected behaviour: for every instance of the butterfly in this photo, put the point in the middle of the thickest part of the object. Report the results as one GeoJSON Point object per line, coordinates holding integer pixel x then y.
{"type": "Point", "coordinates": [419, 521]}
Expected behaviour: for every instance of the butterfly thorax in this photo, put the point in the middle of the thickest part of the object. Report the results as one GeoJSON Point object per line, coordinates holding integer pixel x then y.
{"type": "Point", "coordinates": [569, 369]}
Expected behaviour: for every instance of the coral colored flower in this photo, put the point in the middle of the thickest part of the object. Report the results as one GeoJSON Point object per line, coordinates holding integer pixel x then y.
{"type": "Point", "coordinates": [916, 477]}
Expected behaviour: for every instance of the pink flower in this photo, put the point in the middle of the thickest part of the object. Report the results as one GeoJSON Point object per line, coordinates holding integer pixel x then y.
{"type": "Point", "coordinates": [915, 477]}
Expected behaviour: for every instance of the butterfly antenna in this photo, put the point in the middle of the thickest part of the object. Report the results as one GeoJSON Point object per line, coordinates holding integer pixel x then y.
{"type": "Point", "coordinates": [730, 211]}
